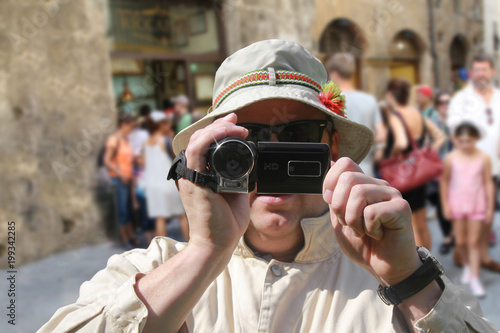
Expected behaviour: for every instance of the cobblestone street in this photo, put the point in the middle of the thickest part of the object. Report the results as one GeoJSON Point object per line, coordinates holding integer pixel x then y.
{"type": "Point", "coordinates": [46, 285]}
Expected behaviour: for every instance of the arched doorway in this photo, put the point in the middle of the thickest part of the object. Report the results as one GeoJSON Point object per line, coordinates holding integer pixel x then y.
{"type": "Point", "coordinates": [458, 62]}
{"type": "Point", "coordinates": [405, 51]}
{"type": "Point", "coordinates": [458, 52]}
{"type": "Point", "coordinates": [342, 35]}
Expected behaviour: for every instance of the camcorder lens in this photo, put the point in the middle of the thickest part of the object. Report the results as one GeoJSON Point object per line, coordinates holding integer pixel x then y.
{"type": "Point", "coordinates": [233, 159]}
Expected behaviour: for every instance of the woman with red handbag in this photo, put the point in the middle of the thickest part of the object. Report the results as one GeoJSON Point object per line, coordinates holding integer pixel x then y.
{"type": "Point", "coordinates": [409, 169]}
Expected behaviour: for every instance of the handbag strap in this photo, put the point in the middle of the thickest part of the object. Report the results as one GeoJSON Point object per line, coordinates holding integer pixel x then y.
{"type": "Point", "coordinates": [168, 147]}
{"type": "Point", "coordinates": [407, 130]}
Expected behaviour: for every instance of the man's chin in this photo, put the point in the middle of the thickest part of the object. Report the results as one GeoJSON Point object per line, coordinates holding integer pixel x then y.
{"type": "Point", "coordinates": [272, 211]}
{"type": "Point", "coordinates": [293, 207]}
{"type": "Point", "coordinates": [482, 84]}
{"type": "Point", "coordinates": [273, 223]}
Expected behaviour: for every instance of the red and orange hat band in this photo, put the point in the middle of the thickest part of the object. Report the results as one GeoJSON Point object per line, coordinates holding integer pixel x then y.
{"type": "Point", "coordinates": [270, 77]}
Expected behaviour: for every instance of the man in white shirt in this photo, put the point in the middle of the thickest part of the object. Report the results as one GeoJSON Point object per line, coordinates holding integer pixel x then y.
{"type": "Point", "coordinates": [479, 101]}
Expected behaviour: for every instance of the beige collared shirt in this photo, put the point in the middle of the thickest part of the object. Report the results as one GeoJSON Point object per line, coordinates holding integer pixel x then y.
{"type": "Point", "coordinates": [321, 291]}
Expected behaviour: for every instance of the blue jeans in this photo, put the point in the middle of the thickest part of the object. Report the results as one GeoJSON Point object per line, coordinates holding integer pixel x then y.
{"type": "Point", "coordinates": [147, 223]}
{"type": "Point", "coordinates": [122, 196]}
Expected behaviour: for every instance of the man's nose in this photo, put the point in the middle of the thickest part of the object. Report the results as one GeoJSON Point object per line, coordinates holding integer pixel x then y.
{"type": "Point", "coordinates": [274, 137]}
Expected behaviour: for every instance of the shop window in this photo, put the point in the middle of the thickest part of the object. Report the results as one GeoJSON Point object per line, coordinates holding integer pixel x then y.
{"type": "Point", "coordinates": [161, 49]}
{"type": "Point", "coordinates": [163, 26]}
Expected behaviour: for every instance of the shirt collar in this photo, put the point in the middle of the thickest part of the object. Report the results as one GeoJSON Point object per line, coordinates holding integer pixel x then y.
{"type": "Point", "coordinates": [319, 241]}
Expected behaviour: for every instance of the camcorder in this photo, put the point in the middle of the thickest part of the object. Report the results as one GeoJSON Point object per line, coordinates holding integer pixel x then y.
{"type": "Point", "coordinates": [239, 166]}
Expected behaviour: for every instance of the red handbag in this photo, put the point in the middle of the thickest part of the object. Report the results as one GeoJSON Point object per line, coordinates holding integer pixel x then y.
{"type": "Point", "coordinates": [416, 168]}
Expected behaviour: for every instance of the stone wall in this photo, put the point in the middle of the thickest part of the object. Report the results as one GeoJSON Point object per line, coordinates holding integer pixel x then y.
{"type": "Point", "coordinates": [56, 105]}
{"type": "Point", "coordinates": [247, 22]}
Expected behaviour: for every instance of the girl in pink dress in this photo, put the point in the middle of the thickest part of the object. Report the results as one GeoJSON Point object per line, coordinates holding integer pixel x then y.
{"type": "Point", "coordinates": [467, 194]}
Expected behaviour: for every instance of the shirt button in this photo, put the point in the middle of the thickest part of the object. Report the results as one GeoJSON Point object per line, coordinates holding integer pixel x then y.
{"type": "Point", "coordinates": [276, 270]}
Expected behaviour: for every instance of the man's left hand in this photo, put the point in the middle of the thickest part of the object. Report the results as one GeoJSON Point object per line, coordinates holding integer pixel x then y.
{"type": "Point", "coordinates": [372, 222]}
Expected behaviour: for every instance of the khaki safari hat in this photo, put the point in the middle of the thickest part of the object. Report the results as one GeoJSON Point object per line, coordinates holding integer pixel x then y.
{"type": "Point", "coordinates": [278, 69]}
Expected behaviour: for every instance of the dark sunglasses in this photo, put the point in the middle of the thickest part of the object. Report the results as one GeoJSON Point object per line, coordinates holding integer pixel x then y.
{"type": "Point", "coordinates": [444, 101]}
{"type": "Point", "coordinates": [295, 131]}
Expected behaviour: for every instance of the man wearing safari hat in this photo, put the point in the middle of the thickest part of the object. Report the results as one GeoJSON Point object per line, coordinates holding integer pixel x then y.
{"type": "Point", "coordinates": [278, 263]}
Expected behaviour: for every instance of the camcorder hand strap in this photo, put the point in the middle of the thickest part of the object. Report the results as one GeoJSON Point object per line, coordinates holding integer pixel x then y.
{"type": "Point", "coordinates": [180, 170]}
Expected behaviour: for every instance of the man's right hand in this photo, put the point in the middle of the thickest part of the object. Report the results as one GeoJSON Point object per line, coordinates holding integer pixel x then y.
{"type": "Point", "coordinates": [216, 221]}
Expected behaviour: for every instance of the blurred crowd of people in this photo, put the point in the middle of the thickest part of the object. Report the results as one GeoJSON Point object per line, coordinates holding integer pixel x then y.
{"type": "Point", "coordinates": [135, 160]}
{"type": "Point", "coordinates": [464, 129]}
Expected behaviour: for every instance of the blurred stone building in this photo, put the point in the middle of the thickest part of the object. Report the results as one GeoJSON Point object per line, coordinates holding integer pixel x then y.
{"type": "Point", "coordinates": [56, 105]}
{"type": "Point", "coordinates": [424, 41]}
{"type": "Point", "coordinates": [67, 67]}
{"type": "Point", "coordinates": [392, 38]}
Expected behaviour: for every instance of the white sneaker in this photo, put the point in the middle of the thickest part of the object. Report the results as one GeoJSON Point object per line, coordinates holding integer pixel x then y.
{"type": "Point", "coordinates": [477, 288]}
{"type": "Point", "coordinates": [465, 278]}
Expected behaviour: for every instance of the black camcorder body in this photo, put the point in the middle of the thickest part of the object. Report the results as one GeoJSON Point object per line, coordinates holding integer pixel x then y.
{"type": "Point", "coordinates": [273, 167]}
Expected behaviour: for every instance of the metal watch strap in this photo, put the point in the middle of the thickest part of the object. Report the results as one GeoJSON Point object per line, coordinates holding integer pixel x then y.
{"type": "Point", "coordinates": [421, 278]}
{"type": "Point", "coordinates": [179, 170]}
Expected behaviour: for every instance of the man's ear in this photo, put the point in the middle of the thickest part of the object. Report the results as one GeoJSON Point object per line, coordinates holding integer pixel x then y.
{"type": "Point", "coordinates": [334, 146]}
